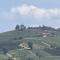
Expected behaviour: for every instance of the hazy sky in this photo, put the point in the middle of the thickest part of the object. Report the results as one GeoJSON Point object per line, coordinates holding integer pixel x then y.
{"type": "Point", "coordinates": [29, 12]}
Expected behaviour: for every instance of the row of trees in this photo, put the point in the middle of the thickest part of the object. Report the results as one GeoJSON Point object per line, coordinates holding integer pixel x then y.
{"type": "Point", "coordinates": [20, 27]}
{"type": "Point", "coordinates": [23, 27]}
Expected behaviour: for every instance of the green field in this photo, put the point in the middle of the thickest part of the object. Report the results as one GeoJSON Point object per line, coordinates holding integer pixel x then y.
{"type": "Point", "coordinates": [10, 40]}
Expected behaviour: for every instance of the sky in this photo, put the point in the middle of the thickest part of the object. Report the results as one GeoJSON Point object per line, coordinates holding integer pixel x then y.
{"type": "Point", "coordinates": [29, 13]}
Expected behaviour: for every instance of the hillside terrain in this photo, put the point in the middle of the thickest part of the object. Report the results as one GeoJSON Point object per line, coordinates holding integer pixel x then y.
{"type": "Point", "coordinates": [45, 44]}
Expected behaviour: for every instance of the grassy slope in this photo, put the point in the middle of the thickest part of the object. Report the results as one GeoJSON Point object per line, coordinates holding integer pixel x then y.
{"type": "Point", "coordinates": [7, 39]}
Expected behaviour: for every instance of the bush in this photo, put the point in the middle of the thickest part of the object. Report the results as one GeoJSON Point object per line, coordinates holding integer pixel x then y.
{"type": "Point", "coordinates": [29, 58]}
{"type": "Point", "coordinates": [30, 44]}
{"type": "Point", "coordinates": [15, 38]}
{"type": "Point", "coordinates": [20, 38]}
{"type": "Point", "coordinates": [17, 27]}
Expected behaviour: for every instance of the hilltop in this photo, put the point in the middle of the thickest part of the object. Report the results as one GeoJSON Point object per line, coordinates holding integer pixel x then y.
{"type": "Point", "coordinates": [45, 42]}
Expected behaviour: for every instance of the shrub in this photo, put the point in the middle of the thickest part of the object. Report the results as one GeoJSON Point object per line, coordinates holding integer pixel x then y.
{"type": "Point", "coordinates": [20, 37]}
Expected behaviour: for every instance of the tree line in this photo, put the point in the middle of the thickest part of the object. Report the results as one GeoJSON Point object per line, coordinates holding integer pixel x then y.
{"type": "Point", "coordinates": [23, 27]}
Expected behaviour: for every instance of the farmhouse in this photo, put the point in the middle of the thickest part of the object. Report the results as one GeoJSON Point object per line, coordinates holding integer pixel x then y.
{"type": "Point", "coordinates": [48, 34]}
{"type": "Point", "coordinates": [24, 45]}
{"type": "Point", "coordinates": [45, 34]}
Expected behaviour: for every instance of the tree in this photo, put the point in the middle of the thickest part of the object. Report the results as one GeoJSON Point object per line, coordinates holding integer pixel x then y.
{"type": "Point", "coordinates": [22, 27]}
{"type": "Point", "coordinates": [5, 50]}
{"type": "Point", "coordinates": [30, 44]}
{"type": "Point", "coordinates": [20, 38]}
{"type": "Point", "coordinates": [17, 27]}
{"type": "Point", "coordinates": [29, 58]}
{"type": "Point", "coordinates": [15, 38]}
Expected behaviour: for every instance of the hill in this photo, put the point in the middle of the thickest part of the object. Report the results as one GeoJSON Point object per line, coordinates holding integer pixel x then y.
{"type": "Point", "coordinates": [43, 46]}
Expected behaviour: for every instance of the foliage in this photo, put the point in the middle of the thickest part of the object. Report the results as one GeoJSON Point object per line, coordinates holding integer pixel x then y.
{"type": "Point", "coordinates": [30, 44]}
{"type": "Point", "coordinates": [17, 27]}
